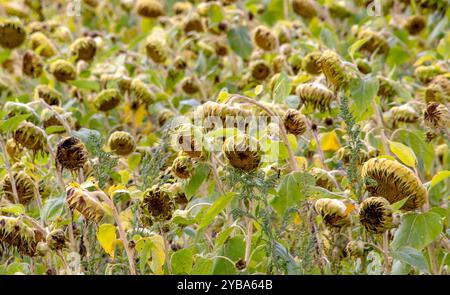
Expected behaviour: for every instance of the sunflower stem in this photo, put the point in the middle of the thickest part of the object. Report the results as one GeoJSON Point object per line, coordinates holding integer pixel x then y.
{"type": "Point", "coordinates": [10, 173]}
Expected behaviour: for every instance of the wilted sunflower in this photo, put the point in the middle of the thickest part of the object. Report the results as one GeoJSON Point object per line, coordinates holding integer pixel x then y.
{"type": "Point", "coordinates": [149, 8]}
{"type": "Point", "coordinates": [157, 204]}
{"type": "Point", "coordinates": [323, 178]}
{"type": "Point", "coordinates": [84, 48]}
{"type": "Point", "coordinates": [188, 138]}
{"type": "Point", "coordinates": [355, 249]}
{"type": "Point", "coordinates": [310, 63]}
{"type": "Point", "coordinates": [243, 152]}
{"type": "Point", "coordinates": [56, 240]}
{"type": "Point", "coordinates": [42, 45]}
{"type": "Point", "coordinates": [394, 182]}
{"type": "Point", "coordinates": [375, 41]}
{"type": "Point", "coordinates": [12, 34]}
{"type": "Point", "coordinates": [49, 118]}
{"type": "Point", "coordinates": [375, 214]}
{"type": "Point", "coordinates": [107, 100]}
{"type": "Point", "coordinates": [80, 200]}
{"type": "Point", "coordinates": [13, 149]}
{"type": "Point", "coordinates": [333, 212]}
{"type": "Point", "coordinates": [415, 24]}
{"type": "Point", "coordinates": [260, 70]}
{"type": "Point", "coordinates": [425, 74]}
{"type": "Point", "coordinates": [182, 167]}
{"type": "Point", "coordinates": [155, 50]}
{"type": "Point", "coordinates": [13, 109]}
{"type": "Point", "coordinates": [437, 115]}
{"type": "Point", "coordinates": [30, 136]}
{"type": "Point", "coordinates": [304, 8]}
{"type": "Point", "coordinates": [189, 85]}
{"type": "Point", "coordinates": [141, 91]}
{"type": "Point", "coordinates": [333, 68]}
{"type": "Point", "coordinates": [264, 38]}
{"type": "Point", "coordinates": [438, 89]}
{"type": "Point", "coordinates": [182, 7]}
{"type": "Point", "coordinates": [63, 71]}
{"type": "Point", "coordinates": [121, 143]}
{"type": "Point", "coordinates": [294, 122]}
{"type": "Point", "coordinates": [316, 95]}
{"type": "Point", "coordinates": [49, 95]}
{"type": "Point", "coordinates": [193, 24]}
{"type": "Point", "coordinates": [24, 185]}
{"type": "Point", "coordinates": [404, 114]}
{"type": "Point", "coordinates": [71, 153]}
{"type": "Point", "coordinates": [32, 65]}
{"type": "Point", "coordinates": [15, 233]}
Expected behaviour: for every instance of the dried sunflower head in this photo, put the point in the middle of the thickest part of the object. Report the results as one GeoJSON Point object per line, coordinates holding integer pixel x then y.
{"type": "Point", "coordinates": [63, 70]}
{"type": "Point", "coordinates": [49, 118]}
{"type": "Point", "coordinates": [189, 85]}
{"type": "Point", "coordinates": [155, 50]}
{"type": "Point", "coordinates": [243, 152]}
{"type": "Point", "coordinates": [363, 66]}
{"type": "Point", "coordinates": [149, 8]}
{"type": "Point", "coordinates": [56, 240]}
{"type": "Point", "coordinates": [333, 68]}
{"type": "Point", "coordinates": [13, 149]}
{"type": "Point", "coordinates": [107, 100]}
{"type": "Point", "coordinates": [24, 185]}
{"type": "Point", "coordinates": [16, 108]}
{"type": "Point", "coordinates": [80, 200]}
{"type": "Point", "coordinates": [264, 38]}
{"type": "Point", "coordinates": [188, 138]}
{"type": "Point", "coordinates": [32, 65]}
{"type": "Point", "coordinates": [355, 249]}
{"type": "Point", "coordinates": [437, 116]}
{"type": "Point", "coordinates": [121, 143]}
{"type": "Point", "coordinates": [84, 48]}
{"type": "Point", "coordinates": [333, 212]}
{"type": "Point", "coordinates": [323, 178]}
{"type": "Point", "coordinates": [376, 215]}
{"type": "Point", "coordinates": [404, 114]}
{"type": "Point", "coordinates": [15, 233]}
{"type": "Point", "coordinates": [375, 41]}
{"type": "Point", "coordinates": [193, 24]}
{"type": "Point", "coordinates": [30, 136]}
{"type": "Point", "coordinates": [183, 167]}
{"type": "Point", "coordinates": [394, 182]}
{"type": "Point", "coordinates": [141, 91]}
{"type": "Point", "coordinates": [294, 122]}
{"type": "Point", "coordinates": [182, 7]}
{"type": "Point", "coordinates": [71, 153]}
{"type": "Point", "coordinates": [164, 116]}
{"type": "Point", "coordinates": [278, 63]}
{"type": "Point", "coordinates": [12, 34]}
{"type": "Point", "coordinates": [42, 45]}
{"type": "Point", "coordinates": [415, 24]}
{"type": "Point", "coordinates": [157, 204]}
{"type": "Point", "coordinates": [425, 74]}
{"type": "Point", "coordinates": [49, 95]}
{"type": "Point", "coordinates": [304, 8]}
{"type": "Point", "coordinates": [316, 95]}
{"type": "Point", "coordinates": [310, 63]}
{"type": "Point", "coordinates": [260, 70]}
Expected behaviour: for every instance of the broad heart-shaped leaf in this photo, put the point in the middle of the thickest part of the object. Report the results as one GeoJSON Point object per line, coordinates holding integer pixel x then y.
{"type": "Point", "coordinates": [106, 236]}
{"type": "Point", "coordinates": [234, 249]}
{"type": "Point", "coordinates": [293, 187]}
{"type": "Point", "coordinates": [202, 266]}
{"type": "Point", "coordinates": [404, 153]}
{"type": "Point", "coordinates": [440, 176]}
{"type": "Point", "coordinates": [53, 208]}
{"type": "Point", "coordinates": [240, 41]}
{"type": "Point", "coordinates": [417, 230]}
{"type": "Point", "coordinates": [182, 261]}
{"type": "Point", "coordinates": [416, 141]}
{"type": "Point", "coordinates": [282, 88]}
{"type": "Point", "coordinates": [12, 123]}
{"type": "Point", "coordinates": [363, 92]}
{"type": "Point", "coordinates": [216, 208]}
{"type": "Point", "coordinates": [412, 257]}
{"type": "Point", "coordinates": [200, 174]}
{"type": "Point", "coordinates": [86, 84]}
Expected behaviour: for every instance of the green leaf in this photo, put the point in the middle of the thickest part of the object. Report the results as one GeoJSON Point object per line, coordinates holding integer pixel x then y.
{"type": "Point", "coordinates": [223, 236]}
{"type": "Point", "coordinates": [200, 174]}
{"type": "Point", "coordinates": [412, 257]}
{"type": "Point", "coordinates": [86, 84]}
{"type": "Point", "coordinates": [4, 55]}
{"type": "Point", "coordinates": [215, 14]}
{"type": "Point", "coordinates": [282, 88]}
{"type": "Point", "coordinates": [417, 230]}
{"type": "Point", "coordinates": [397, 205]}
{"type": "Point", "coordinates": [11, 124]}
{"type": "Point", "coordinates": [106, 236]}
{"type": "Point", "coordinates": [414, 139]}
{"type": "Point", "coordinates": [328, 38]}
{"type": "Point", "coordinates": [202, 266]}
{"type": "Point", "coordinates": [18, 267]}
{"type": "Point", "coordinates": [133, 160]}
{"type": "Point", "coordinates": [355, 46]}
{"type": "Point", "coordinates": [53, 208]}
{"type": "Point", "coordinates": [404, 153]}
{"type": "Point", "coordinates": [398, 56]}
{"type": "Point", "coordinates": [54, 129]}
{"type": "Point", "coordinates": [363, 92]}
{"type": "Point", "coordinates": [182, 261]}
{"type": "Point", "coordinates": [234, 249]}
{"type": "Point", "coordinates": [240, 41]}
{"type": "Point", "coordinates": [216, 208]}
{"type": "Point", "coordinates": [15, 209]}
{"type": "Point", "coordinates": [440, 176]}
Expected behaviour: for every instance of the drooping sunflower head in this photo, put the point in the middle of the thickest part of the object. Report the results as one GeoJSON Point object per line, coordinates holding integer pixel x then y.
{"type": "Point", "coordinates": [310, 63]}
{"type": "Point", "coordinates": [304, 8]}
{"type": "Point", "coordinates": [12, 34]}
{"type": "Point", "coordinates": [323, 178]}
{"type": "Point", "coordinates": [333, 68]}
{"type": "Point", "coordinates": [333, 212]}
{"type": "Point", "coordinates": [49, 118]}
{"type": "Point", "coordinates": [56, 240]}
{"type": "Point", "coordinates": [243, 152]}
{"type": "Point", "coordinates": [71, 153]}
{"type": "Point", "coordinates": [437, 116]}
{"type": "Point", "coordinates": [316, 95]}
{"type": "Point", "coordinates": [155, 50]}
{"type": "Point", "coordinates": [32, 65]}
{"type": "Point", "coordinates": [189, 85]}
{"type": "Point", "coordinates": [264, 38]}
{"type": "Point", "coordinates": [376, 215]}
{"type": "Point", "coordinates": [294, 122]}
{"type": "Point", "coordinates": [182, 7]}
{"type": "Point", "coordinates": [88, 206]}
{"type": "Point", "coordinates": [24, 185]}
{"type": "Point", "coordinates": [426, 74]}
{"type": "Point", "coordinates": [141, 91]}
{"type": "Point", "coordinates": [84, 48]}
{"type": "Point", "coordinates": [188, 138]}
{"type": "Point", "coordinates": [157, 204]}
{"type": "Point", "coordinates": [107, 100]}
{"type": "Point", "coordinates": [193, 24]}
{"type": "Point", "coordinates": [17, 234]}
{"type": "Point", "coordinates": [415, 24]}
{"type": "Point", "coordinates": [63, 70]}
{"type": "Point", "coordinates": [183, 167]}
{"type": "Point", "coordinates": [13, 149]}
{"type": "Point", "coordinates": [404, 114]}
{"type": "Point", "coordinates": [30, 136]}
{"type": "Point", "coordinates": [355, 249]}
{"type": "Point", "coordinates": [149, 8]}
{"type": "Point", "coordinates": [260, 70]}
{"type": "Point", "coordinates": [375, 41]}
{"type": "Point", "coordinates": [42, 45]}
{"type": "Point", "coordinates": [49, 95]}
{"type": "Point", "coordinates": [393, 181]}
{"type": "Point", "coordinates": [13, 109]}
{"type": "Point", "coordinates": [121, 143]}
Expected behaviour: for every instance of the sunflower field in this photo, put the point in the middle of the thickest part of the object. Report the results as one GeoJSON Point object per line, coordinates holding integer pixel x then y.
{"type": "Point", "coordinates": [224, 137]}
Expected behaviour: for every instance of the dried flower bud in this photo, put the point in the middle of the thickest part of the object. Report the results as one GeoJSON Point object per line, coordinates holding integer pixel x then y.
{"type": "Point", "coordinates": [375, 41]}
{"type": "Point", "coordinates": [71, 153]}
{"type": "Point", "coordinates": [12, 34]}
{"type": "Point", "coordinates": [333, 68]}
{"type": "Point", "coordinates": [355, 249]}
{"type": "Point", "coordinates": [15, 233]}
{"type": "Point", "coordinates": [426, 73]}
{"type": "Point", "coordinates": [49, 95]}
{"type": "Point", "coordinates": [304, 8]}
{"type": "Point", "coordinates": [404, 114]}
{"type": "Point", "coordinates": [157, 204]}
{"type": "Point", "coordinates": [155, 50]}
{"type": "Point", "coordinates": [193, 24]}
{"type": "Point", "coordinates": [243, 152]}
{"type": "Point", "coordinates": [141, 91]}
{"type": "Point", "coordinates": [394, 182]}
{"type": "Point", "coordinates": [84, 48]}
{"type": "Point", "coordinates": [415, 24]}
{"type": "Point", "coordinates": [121, 143]}
{"type": "Point", "coordinates": [56, 240]}
{"type": "Point", "coordinates": [316, 95]}
{"type": "Point", "coordinates": [63, 71]}
{"type": "Point", "coordinates": [182, 7]}
{"type": "Point", "coordinates": [189, 85]}
{"type": "Point", "coordinates": [32, 65]}
{"type": "Point", "coordinates": [149, 8]}
{"type": "Point", "coordinates": [437, 116]}
{"type": "Point", "coordinates": [323, 178]}
{"type": "Point", "coordinates": [30, 136]}
{"type": "Point", "coordinates": [183, 167]}
{"type": "Point", "coordinates": [107, 100]}
{"type": "Point", "coordinates": [295, 122]}
{"type": "Point", "coordinates": [264, 38]}
{"type": "Point", "coordinates": [333, 212]}
{"type": "Point", "coordinates": [310, 63]}
{"type": "Point", "coordinates": [42, 44]}
{"type": "Point", "coordinates": [260, 70]}
{"type": "Point", "coordinates": [49, 118]}
{"type": "Point", "coordinates": [376, 215]}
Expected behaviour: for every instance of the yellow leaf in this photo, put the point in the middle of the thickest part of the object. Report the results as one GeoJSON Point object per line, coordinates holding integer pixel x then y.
{"type": "Point", "coordinates": [106, 236]}
{"type": "Point", "coordinates": [350, 208]}
{"type": "Point", "coordinates": [114, 188]}
{"type": "Point", "coordinates": [302, 163]}
{"type": "Point", "coordinates": [140, 114]}
{"type": "Point", "coordinates": [292, 141]}
{"type": "Point", "coordinates": [329, 141]}
{"type": "Point", "coordinates": [297, 219]}
{"type": "Point", "coordinates": [126, 218]}
{"type": "Point", "coordinates": [158, 255]}
{"type": "Point", "coordinates": [258, 89]}
{"type": "Point", "coordinates": [440, 176]}
{"type": "Point", "coordinates": [223, 97]}
{"type": "Point", "coordinates": [404, 153]}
